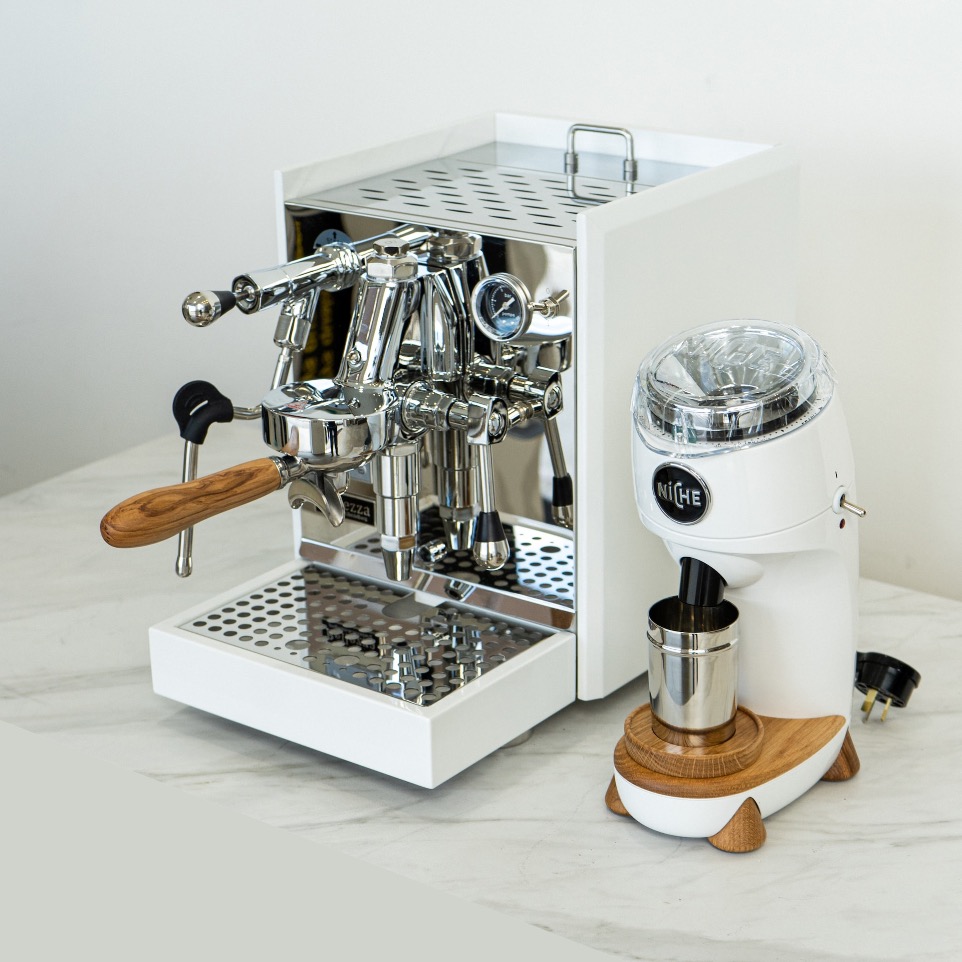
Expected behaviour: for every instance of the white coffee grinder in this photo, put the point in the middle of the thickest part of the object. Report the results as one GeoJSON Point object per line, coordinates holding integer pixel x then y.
{"type": "Point", "coordinates": [743, 465]}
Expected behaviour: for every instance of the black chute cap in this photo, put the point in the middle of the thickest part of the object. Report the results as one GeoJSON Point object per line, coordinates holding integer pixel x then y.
{"type": "Point", "coordinates": [700, 584]}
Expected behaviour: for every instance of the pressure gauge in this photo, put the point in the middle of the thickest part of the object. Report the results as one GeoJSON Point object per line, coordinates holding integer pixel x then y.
{"type": "Point", "coordinates": [501, 307]}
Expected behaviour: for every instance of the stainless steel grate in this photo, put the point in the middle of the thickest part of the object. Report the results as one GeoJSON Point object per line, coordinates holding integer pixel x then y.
{"type": "Point", "coordinates": [363, 633]}
{"type": "Point", "coordinates": [541, 565]}
{"type": "Point", "coordinates": [471, 195]}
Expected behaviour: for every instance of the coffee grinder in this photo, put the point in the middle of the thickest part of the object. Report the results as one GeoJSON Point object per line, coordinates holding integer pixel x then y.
{"type": "Point", "coordinates": [743, 466]}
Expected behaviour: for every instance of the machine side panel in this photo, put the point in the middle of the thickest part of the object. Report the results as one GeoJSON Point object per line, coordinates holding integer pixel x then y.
{"type": "Point", "coordinates": [424, 745]}
{"type": "Point", "coordinates": [718, 245]}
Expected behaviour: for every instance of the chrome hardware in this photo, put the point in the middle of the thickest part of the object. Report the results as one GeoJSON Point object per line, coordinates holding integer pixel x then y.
{"type": "Point", "coordinates": [327, 427]}
{"type": "Point", "coordinates": [411, 382]}
{"type": "Point", "coordinates": [841, 503]}
{"type": "Point", "coordinates": [388, 294]}
{"type": "Point", "coordinates": [854, 508]}
{"type": "Point", "coordinates": [454, 268]}
{"type": "Point", "coordinates": [322, 494]}
{"type": "Point", "coordinates": [456, 480]}
{"type": "Point", "coordinates": [501, 307]}
{"type": "Point", "coordinates": [197, 405]}
{"type": "Point", "coordinates": [292, 331]}
{"type": "Point", "coordinates": [396, 477]}
{"type": "Point", "coordinates": [549, 306]}
{"type": "Point", "coordinates": [185, 540]}
{"type": "Point", "coordinates": [290, 468]}
{"type": "Point", "coordinates": [459, 590]}
{"type": "Point", "coordinates": [629, 166]}
{"type": "Point", "coordinates": [693, 670]}
{"type": "Point", "coordinates": [330, 268]}
{"type": "Point", "coordinates": [204, 307]}
{"type": "Point", "coordinates": [248, 414]}
{"type": "Point", "coordinates": [562, 502]}
{"type": "Point", "coordinates": [491, 550]}
{"type": "Point", "coordinates": [433, 552]}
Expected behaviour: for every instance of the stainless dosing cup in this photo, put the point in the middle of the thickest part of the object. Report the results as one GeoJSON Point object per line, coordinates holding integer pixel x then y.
{"type": "Point", "coordinates": [693, 671]}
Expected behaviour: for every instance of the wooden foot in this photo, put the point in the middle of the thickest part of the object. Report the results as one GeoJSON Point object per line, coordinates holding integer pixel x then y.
{"type": "Point", "coordinates": [847, 763]}
{"type": "Point", "coordinates": [613, 799]}
{"type": "Point", "coordinates": [745, 832]}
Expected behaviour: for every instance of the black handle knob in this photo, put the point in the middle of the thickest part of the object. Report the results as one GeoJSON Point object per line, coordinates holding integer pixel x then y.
{"type": "Point", "coordinates": [562, 492]}
{"type": "Point", "coordinates": [197, 405]}
{"type": "Point", "coordinates": [491, 548]}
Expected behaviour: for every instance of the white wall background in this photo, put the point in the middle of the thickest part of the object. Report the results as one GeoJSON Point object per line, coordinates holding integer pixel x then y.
{"type": "Point", "coordinates": [138, 142]}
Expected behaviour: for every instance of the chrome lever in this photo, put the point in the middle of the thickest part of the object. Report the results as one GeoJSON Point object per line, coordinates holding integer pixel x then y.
{"type": "Point", "coordinates": [185, 540]}
{"type": "Point", "coordinates": [197, 405]}
{"type": "Point", "coordinates": [841, 503]}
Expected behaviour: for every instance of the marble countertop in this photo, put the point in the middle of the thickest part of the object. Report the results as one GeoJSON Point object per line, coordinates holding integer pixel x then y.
{"type": "Point", "coordinates": [863, 870]}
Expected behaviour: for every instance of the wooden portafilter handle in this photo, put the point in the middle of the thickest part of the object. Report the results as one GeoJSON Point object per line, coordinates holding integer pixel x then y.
{"type": "Point", "coordinates": [163, 512]}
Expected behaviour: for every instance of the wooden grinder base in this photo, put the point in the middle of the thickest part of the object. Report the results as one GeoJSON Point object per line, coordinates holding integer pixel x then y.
{"type": "Point", "coordinates": [761, 749]}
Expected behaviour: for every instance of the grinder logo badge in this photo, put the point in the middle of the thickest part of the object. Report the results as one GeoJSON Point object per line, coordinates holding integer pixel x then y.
{"type": "Point", "coordinates": [680, 493]}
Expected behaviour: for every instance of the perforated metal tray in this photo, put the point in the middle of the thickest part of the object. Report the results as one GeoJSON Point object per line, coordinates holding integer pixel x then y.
{"type": "Point", "coordinates": [363, 633]}
{"type": "Point", "coordinates": [500, 189]}
{"type": "Point", "coordinates": [540, 565]}
{"type": "Point", "coordinates": [537, 584]}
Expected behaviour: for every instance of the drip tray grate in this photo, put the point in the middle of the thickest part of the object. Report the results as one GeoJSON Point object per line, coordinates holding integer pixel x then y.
{"type": "Point", "coordinates": [379, 638]}
{"type": "Point", "coordinates": [541, 565]}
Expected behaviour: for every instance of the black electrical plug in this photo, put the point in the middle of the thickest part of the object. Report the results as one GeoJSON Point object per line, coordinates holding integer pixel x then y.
{"type": "Point", "coordinates": [878, 675]}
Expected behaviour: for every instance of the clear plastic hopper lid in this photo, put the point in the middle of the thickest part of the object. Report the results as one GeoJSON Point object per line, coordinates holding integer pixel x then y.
{"type": "Point", "coordinates": [724, 386]}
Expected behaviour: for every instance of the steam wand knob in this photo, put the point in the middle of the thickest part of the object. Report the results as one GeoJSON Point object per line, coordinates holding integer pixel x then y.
{"type": "Point", "coordinates": [204, 307]}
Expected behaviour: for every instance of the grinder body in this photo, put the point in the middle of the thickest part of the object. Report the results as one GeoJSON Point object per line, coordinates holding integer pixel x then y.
{"type": "Point", "coordinates": [763, 507]}
{"type": "Point", "coordinates": [772, 531]}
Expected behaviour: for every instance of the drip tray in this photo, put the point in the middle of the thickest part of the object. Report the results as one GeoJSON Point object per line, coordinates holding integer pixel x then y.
{"type": "Point", "coordinates": [378, 638]}
{"type": "Point", "coordinates": [401, 681]}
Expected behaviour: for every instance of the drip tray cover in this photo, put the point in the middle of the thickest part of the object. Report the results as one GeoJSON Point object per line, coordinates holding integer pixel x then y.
{"type": "Point", "coordinates": [401, 681]}
{"type": "Point", "coordinates": [379, 638]}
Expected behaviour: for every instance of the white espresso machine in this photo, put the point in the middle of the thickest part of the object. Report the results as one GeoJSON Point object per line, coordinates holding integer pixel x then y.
{"type": "Point", "coordinates": [458, 316]}
{"type": "Point", "coordinates": [743, 467]}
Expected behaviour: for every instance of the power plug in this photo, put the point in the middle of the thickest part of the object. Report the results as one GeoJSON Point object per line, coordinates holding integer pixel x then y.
{"type": "Point", "coordinates": [882, 676]}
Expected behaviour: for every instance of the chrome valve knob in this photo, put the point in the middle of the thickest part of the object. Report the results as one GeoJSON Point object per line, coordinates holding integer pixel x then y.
{"type": "Point", "coordinates": [204, 307]}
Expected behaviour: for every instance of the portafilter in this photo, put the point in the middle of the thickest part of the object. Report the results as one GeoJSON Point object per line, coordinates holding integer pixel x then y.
{"type": "Point", "coordinates": [317, 426]}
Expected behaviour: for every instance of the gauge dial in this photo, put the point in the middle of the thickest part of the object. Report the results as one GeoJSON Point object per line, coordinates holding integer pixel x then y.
{"type": "Point", "coordinates": [501, 307]}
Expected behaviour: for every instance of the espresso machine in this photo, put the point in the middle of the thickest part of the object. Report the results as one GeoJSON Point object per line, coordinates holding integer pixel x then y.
{"type": "Point", "coordinates": [456, 316]}
{"type": "Point", "coordinates": [743, 467]}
